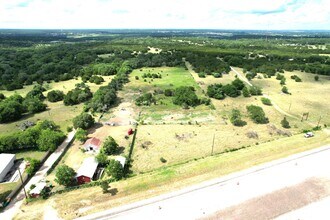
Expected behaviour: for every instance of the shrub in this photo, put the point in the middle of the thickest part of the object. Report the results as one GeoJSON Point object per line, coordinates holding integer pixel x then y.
{"type": "Point", "coordinates": [168, 92]}
{"type": "Point", "coordinates": [104, 184]}
{"type": "Point", "coordinates": [316, 78]}
{"type": "Point", "coordinates": [246, 92]}
{"type": "Point", "coordinates": [236, 118]}
{"type": "Point", "coordinates": [266, 101]}
{"type": "Point", "coordinates": [145, 99]}
{"type": "Point", "coordinates": [81, 135]}
{"type": "Point", "coordinates": [201, 75]}
{"type": "Point", "coordinates": [33, 167]}
{"type": "Point", "coordinates": [285, 90]}
{"type": "Point", "coordinates": [163, 160]}
{"type": "Point", "coordinates": [55, 96]}
{"type": "Point", "coordinates": [255, 91]}
{"type": "Point", "coordinates": [285, 123]}
{"type": "Point", "coordinates": [102, 159]}
{"type": "Point", "coordinates": [257, 114]}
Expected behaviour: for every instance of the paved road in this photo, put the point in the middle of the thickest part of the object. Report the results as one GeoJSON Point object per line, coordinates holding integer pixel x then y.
{"type": "Point", "coordinates": [289, 188]}
{"type": "Point", "coordinates": [15, 204]}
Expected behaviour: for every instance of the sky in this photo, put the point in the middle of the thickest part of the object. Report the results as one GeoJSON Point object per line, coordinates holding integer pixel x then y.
{"type": "Point", "coordinates": [166, 14]}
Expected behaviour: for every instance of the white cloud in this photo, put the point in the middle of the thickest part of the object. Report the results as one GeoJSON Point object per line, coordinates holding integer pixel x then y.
{"type": "Point", "coordinates": [220, 14]}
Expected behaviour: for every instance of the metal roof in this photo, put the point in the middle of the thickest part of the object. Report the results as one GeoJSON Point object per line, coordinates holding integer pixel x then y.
{"type": "Point", "coordinates": [5, 160]}
{"type": "Point", "coordinates": [88, 167]}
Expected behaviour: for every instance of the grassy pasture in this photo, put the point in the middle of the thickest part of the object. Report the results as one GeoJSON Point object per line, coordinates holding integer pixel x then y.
{"type": "Point", "coordinates": [172, 78]}
{"type": "Point", "coordinates": [306, 96]}
{"type": "Point", "coordinates": [90, 200]}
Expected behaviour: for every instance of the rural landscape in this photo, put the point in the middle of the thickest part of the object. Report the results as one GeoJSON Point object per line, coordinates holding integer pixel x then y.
{"type": "Point", "coordinates": [97, 119]}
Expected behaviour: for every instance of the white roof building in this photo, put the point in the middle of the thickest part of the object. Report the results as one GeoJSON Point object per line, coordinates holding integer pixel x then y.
{"type": "Point", "coordinates": [6, 163]}
{"type": "Point", "coordinates": [37, 190]}
{"type": "Point", "coordinates": [87, 168]}
{"type": "Point", "coordinates": [121, 159]}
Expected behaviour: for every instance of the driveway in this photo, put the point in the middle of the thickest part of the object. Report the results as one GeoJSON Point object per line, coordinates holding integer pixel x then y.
{"type": "Point", "coordinates": [15, 204]}
{"type": "Point", "coordinates": [290, 188]}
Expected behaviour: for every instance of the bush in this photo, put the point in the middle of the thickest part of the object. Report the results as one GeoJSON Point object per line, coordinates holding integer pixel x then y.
{"type": "Point", "coordinates": [201, 75]}
{"type": "Point", "coordinates": [81, 135]}
{"type": "Point", "coordinates": [316, 78]}
{"type": "Point", "coordinates": [83, 121]}
{"type": "Point", "coordinates": [50, 140]}
{"type": "Point", "coordinates": [55, 96]}
{"type": "Point", "coordinates": [65, 175]}
{"type": "Point", "coordinates": [246, 92]}
{"type": "Point", "coordinates": [104, 184]}
{"type": "Point", "coordinates": [102, 159]}
{"type": "Point", "coordinates": [285, 123]}
{"type": "Point", "coordinates": [257, 114]}
{"type": "Point", "coordinates": [146, 99]}
{"type": "Point", "coordinates": [255, 91]}
{"type": "Point", "coordinates": [168, 92]}
{"type": "Point", "coordinates": [33, 167]}
{"type": "Point", "coordinates": [285, 90]}
{"type": "Point", "coordinates": [236, 118]}
{"type": "Point", "coordinates": [266, 101]}
{"type": "Point", "coordinates": [163, 160]}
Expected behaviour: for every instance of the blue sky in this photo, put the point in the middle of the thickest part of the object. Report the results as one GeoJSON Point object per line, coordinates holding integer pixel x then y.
{"type": "Point", "coordinates": [215, 14]}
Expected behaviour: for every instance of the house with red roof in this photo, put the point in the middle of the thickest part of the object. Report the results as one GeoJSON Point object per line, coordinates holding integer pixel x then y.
{"type": "Point", "coordinates": [92, 144]}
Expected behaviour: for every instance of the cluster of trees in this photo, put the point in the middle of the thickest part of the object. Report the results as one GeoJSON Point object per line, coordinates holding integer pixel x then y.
{"type": "Point", "coordinates": [219, 91]}
{"type": "Point", "coordinates": [55, 96]}
{"type": "Point", "coordinates": [151, 75]}
{"type": "Point", "coordinates": [83, 121]}
{"type": "Point", "coordinates": [44, 136]}
{"type": "Point", "coordinates": [257, 114]}
{"type": "Point", "coordinates": [185, 96]}
{"type": "Point", "coordinates": [13, 107]}
{"type": "Point", "coordinates": [81, 93]}
{"type": "Point", "coordinates": [208, 64]}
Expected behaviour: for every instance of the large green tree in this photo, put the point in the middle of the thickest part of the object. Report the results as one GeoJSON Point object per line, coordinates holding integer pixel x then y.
{"type": "Point", "coordinates": [65, 175]}
{"type": "Point", "coordinates": [83, 121]}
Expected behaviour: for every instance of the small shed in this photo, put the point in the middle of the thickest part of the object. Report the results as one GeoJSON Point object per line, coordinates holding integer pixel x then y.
{"type": "Point", "coordinates": [86, 171]}
{"type": "Point", "coordinates": [92, 144]}
{"type": "Point", "coordinates": [35, 192]}
{"type": "Point", "coordinates": [6, 163]}
{"type": "Point", "coordinates": [122, 160]}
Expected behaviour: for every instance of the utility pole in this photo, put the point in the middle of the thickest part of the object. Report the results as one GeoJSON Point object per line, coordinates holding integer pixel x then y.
{"type": "Point", "coordinates": [20, 175]}
{"type": "Point", "coordinates": [319, 121]}
{"type": "Point", "coordinates": [213, 144]}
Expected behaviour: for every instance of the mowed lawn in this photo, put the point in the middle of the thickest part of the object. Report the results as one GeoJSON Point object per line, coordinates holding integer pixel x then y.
{"type": "Point", "coordinates": [57, 112]}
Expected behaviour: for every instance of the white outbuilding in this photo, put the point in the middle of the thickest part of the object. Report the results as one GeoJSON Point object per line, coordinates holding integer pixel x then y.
{"type": "Point", "coordinates": [6, 163]}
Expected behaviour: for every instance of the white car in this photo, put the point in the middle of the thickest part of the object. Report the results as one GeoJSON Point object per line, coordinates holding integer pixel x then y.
{"type": "Point", "coordinates": [309, 134]}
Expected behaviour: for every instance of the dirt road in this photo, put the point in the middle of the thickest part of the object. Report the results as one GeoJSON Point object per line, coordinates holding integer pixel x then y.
{"type": "Point", "coordinates": [288, 188]}
{"type": "Point", "coordinates": [14, 205]}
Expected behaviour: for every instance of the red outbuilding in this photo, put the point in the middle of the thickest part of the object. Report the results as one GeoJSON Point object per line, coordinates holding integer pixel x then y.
{"type": "Point", "coordinates": [86, 171]}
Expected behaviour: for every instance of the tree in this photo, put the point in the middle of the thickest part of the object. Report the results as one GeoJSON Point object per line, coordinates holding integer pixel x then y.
{"type": "Point", "coordinates": [231, 91]}
{"type": "Point", "coordinates": [102, 159]}
{"type": "Point", "coordinates": [282, 82]}
{"type": "Point", "coordinates": [50, 140]}
{"type": "Point", "coordinates": [34, 165]}
{"type": "Point", "coordinates": [316, 78]}
{"type": "Point", "coordinates": [236, 118]}
{"type": "Point", "coordinates": [104, 186]}
{"type": "Point", "coordinates": [55, 96]}
{"type": "Point", "coordinates": [255, 90]}
{"type": "Point", "coordinates": [185, 95]}
{"type": "Point", "coordinates": [34, 105]}
{"type": "Point", "coordinates": [246, 92]}
{"type": "Point", "coordinates": [81, 135]}
{"type": "Point", "coordinates": [257, 114]}
{"type": "Point", "coordinates": [285, 90]}
{"type": "Point", "coordinates": [115, 169]}
{"type": "Point", "coordinates": [285, 123]}
{"type": "Point", "coordinates": [110, 146]}
{"type": "Point", "coordinates": [83, 121]}
{"type": "Point", "coordinates": [145, 99]}
{"type": "Point", "coordinates": [238, 84]}
{"type": "Point", "coordinates": [65, 175]}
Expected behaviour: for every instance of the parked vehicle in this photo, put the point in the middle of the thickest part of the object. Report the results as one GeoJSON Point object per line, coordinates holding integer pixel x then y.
{"type": "Point", "coordinates": [309, 134]}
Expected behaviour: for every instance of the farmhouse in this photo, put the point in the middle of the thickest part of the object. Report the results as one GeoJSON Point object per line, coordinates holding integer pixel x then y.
{"type": "Point", "coordinates": [92, 144]}
{"type": "Point", "coordinates": [36, 191]}
{"type": "Point", "coordinates": [86, 171]}
{"type": "Point", "coordinates": [6, 163]}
